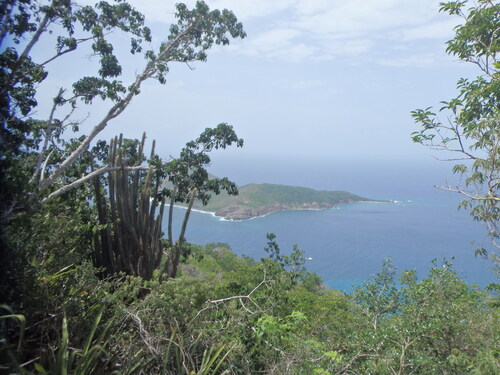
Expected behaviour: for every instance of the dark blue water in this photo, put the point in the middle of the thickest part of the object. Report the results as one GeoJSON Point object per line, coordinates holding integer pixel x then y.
{"type": "Point", "coordinates": [349, 242]}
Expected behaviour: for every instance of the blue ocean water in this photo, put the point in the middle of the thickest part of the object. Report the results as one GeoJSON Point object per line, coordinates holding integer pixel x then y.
{"type": "Point", "coordinates": [349, 242]}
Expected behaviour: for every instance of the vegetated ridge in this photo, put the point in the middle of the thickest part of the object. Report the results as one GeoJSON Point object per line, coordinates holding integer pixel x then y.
{"type": "Point", "coordinates": [256, 200]}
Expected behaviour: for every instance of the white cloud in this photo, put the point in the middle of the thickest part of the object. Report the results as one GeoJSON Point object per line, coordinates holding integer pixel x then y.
{"type": "Point", "coordinates": [283, 44]}
{"type": "Point", "coordinates": [322, 29]}
{"type": "Point", "coordinates": [415, 60]}
{"type": "Point", "coordinates": [246, 9]}
{"type": "Point", "coordinates": [442, 29]}
{"type": "Point", "coordinates": [331, 29]}
{"type": "Point", "coordinates": [360, 17]}
{"type": "Point", "coordinates": [298, 52]}
{"type": "Point", "coordinates": [348, 47]}
{"type": "Point", "coordinates": [274, 39]}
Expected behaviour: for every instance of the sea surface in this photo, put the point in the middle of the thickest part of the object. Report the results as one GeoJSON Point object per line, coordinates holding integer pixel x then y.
{"type": "Point", "coordinates": [348, 243]}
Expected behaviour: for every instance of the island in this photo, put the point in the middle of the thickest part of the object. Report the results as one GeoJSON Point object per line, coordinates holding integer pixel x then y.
{"type": "Point", "coordinates": [256, 200]}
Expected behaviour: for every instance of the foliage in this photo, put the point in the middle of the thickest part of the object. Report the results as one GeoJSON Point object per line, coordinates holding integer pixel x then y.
{"type": "Point", "coordinates": [8, 349]}
{"type": "Point", "coordinates": [92, 358]}
{"type": "Point", "coordinates": [241, 316]}
{"type": "Point", "coordinates": [189, 180]}
{"type": "Point", "coordinates": [290, 265]}
{"type": "Point", "coordinates": [52, 215]}
{"type": "Point", "coordinates": [471, 130]}
{"type": "Point", "coordinates": [432, 319]}
{"type": "Point", "coordinates": [379, 297]}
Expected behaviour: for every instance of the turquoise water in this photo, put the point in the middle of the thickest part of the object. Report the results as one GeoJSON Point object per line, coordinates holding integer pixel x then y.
{"type": "Point", "coordinates": [349, 242]}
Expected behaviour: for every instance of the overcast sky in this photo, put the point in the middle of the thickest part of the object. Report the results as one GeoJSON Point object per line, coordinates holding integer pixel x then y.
{"type": "Point", "coordinates": [314, 79]}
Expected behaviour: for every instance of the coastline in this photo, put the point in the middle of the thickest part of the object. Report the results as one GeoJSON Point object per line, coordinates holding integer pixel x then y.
{"type": "Point", "coordinates": [335, 206]}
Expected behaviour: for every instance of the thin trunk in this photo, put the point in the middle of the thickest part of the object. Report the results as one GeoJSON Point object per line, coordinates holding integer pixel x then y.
{"type": "Point", "coordinates": [180, 241]}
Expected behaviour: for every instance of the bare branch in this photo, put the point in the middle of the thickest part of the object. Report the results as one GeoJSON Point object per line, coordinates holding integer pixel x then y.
{"type": "Point", "coordinates": [48, 131]}
{"type": "Point", "coordinates": [143, 333]}
{"type": "Point", "coordinates": [468, 195]}
{"type": "Point", "coordinates": [44, 167]}
{"type": "Point", "coordinates": [213, 303]}
{"type": "Point", "coordinates": [63, 52]}
{"type": "Point", "coordinates": [90, 176]}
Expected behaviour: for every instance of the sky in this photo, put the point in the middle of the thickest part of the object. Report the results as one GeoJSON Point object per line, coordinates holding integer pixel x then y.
{"type": "Point", "coordinates": [313, 79]}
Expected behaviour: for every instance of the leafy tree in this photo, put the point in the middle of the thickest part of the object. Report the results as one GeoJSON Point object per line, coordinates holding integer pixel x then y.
{"type": "Point", "coordinates": [189, 180]}
{"type": "Point", "coordinates": [290, 267]}
{"type": "Point", "coordinates": [435, 325]}
{"type": "Point", "coordinates": [470, 123]}
{"type": "Point", "coordinates": [27, 22]}
{"type": "Point", "coordinates": [379, 297]}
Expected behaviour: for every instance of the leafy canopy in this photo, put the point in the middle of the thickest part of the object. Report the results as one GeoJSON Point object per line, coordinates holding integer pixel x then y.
{"type": "Point", "coordinates": [468, 126]}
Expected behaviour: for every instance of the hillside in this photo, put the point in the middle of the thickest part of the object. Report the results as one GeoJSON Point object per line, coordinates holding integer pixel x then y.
{"type": "Point", "coordinates": [260, 199]}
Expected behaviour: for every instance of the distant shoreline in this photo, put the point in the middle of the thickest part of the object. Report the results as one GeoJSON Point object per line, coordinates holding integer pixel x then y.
{"type": "Point", "coordinates": [336, 206]}
{"type": "Point", "coordinates": [259, 200]}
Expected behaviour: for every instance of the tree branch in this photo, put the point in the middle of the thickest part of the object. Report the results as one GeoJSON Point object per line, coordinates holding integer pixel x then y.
{"type": "Point", "coordinates": [48, 131]}
{"type": "Point", "coordinates": [468, 195]}
{"type": "Point", "coordinates": [90, 176]}
{"type": "Point", "coordinates": [116, 110]}
{"type": "Point", "coordinates": [211, 303]}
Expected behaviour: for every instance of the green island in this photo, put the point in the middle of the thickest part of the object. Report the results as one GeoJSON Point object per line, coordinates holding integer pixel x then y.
{"type": "Point", "coordinates": [254, 200]}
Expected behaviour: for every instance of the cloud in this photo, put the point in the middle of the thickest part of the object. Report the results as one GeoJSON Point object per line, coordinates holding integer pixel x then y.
{"type": "Point", "coordinates": [322, 30]}
{"type": "Point", "coordinates": [442, 29]}
{"type": "Point", "coordinates": [281, 43]}
{"type": "Point", "coordinates": [347, 47]}
{"type": "Point", "coordinates": [247, 9]}
{"type": "Point", "coordinates": [331, 29]}
{"type": "Point", "coordinates": [274, 39]}
{"type": "Point", "coordinates": [422, 60]}
{"type": "Point", "coordinates": [359, 17]}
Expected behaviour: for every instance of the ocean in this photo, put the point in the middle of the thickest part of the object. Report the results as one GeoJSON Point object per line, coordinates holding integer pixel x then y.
{"type": "Point", "coordinates": [348, 243]}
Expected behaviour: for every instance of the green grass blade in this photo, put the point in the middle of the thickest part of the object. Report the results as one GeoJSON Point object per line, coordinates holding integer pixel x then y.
{"type": "Point", "coordinates": [22, 323]}
{"type": "Point", "coordinates": [90, 338]}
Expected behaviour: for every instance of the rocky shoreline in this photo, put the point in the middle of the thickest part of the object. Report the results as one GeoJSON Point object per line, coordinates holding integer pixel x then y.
{"type": "Point", "coordinates": [240, 212]}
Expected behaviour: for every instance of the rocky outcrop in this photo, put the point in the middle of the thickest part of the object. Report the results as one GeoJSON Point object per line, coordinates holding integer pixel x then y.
{"type": "Point", "coordinates": [241, 212]}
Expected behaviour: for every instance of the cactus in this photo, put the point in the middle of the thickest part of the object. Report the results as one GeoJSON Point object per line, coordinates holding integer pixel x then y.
{"type": "Point", "coordinates": [129, 238]}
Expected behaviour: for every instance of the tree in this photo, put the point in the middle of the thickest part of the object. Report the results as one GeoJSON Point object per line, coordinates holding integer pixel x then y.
{"type": "Point", "coordinates": [189, 180]}
{"type": "Point", "coordinates": [26, 23]}
{"type": "Point", "coordinates": [290, 268]}
{"type": "Point", "coordinates": [471, 130]}
{"type": "Point", "coordinates": [430, 325]}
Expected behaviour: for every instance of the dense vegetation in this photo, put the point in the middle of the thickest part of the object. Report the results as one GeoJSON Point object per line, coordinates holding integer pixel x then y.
{"type": "Point", "coordinates": [90, 284]}
{"type": "Point", "coordinates": [228, 314]}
